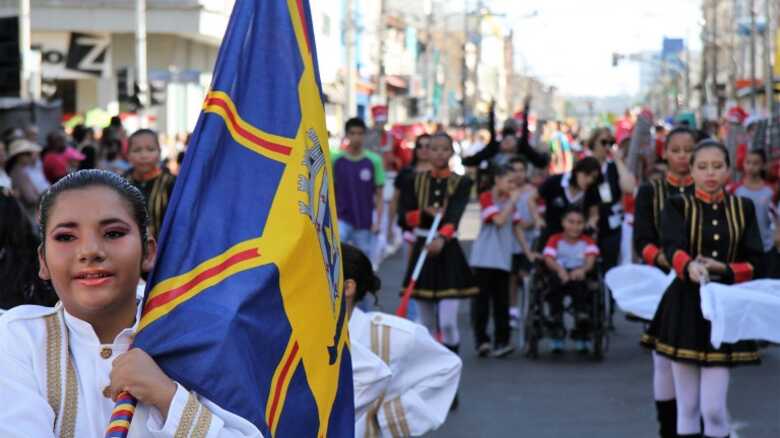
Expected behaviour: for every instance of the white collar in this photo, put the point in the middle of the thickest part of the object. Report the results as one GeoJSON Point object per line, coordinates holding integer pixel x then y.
{"type": "Point", "coordinates": [565, 182]}
{"type": "Point", "coordinates": [83, 332]}
{"type": "Point", "coordinates": [358, 323]}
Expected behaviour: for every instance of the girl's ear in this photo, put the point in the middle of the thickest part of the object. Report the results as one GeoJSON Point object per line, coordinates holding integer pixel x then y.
{"type": "Point", "coordinates": [150, 255]}
{"type": "Point", "coordinates": [43, 270]}
{"type": "Point", "coordinates": [350, 287]}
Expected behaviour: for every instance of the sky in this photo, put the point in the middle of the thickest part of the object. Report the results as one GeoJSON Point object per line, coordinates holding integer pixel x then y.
{"type": "Point", "coordinates": [569, 43]}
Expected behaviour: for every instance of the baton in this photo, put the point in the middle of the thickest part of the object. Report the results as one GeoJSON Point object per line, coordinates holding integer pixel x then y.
{"type": "Point", "coordinates": [403, 308]}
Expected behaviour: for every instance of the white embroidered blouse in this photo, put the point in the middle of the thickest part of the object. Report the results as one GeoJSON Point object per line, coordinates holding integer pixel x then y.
{"type": "Point", "coordinates": [53, 373]}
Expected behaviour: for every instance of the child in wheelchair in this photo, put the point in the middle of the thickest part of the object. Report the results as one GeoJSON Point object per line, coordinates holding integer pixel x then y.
{"type": "Point", "coordinates": [570, 256]}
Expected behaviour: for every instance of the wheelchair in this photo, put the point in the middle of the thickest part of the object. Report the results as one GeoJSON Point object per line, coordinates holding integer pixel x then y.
{"type": "Point", "coordinates": [538, 323]}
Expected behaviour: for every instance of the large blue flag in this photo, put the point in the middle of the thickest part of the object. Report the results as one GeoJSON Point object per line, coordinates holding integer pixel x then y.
{"type": "Point", "coordinates": [245, 304]}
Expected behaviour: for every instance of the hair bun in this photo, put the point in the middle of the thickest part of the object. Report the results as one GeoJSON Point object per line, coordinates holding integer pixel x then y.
{"type": "Point", "coordinates": [375, 283]}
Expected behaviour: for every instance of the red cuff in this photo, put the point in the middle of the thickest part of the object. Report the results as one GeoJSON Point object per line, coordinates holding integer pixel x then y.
{"type": "Point", "coordinates": [742, 272]}
{"type": "Point", "coordinates": [447, 230]}
{"type": "Point", "coordinates": [680, 261]}
{"type": "Point", "coordinates": [650, 253]}
{"type": "Point", "coordinates": [413, 218]}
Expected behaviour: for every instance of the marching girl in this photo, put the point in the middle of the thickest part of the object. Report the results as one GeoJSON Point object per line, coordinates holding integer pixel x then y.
{"type": "Point", "coordinates": [707, 236]}
{"type": "Point", "coordinates": [650, 201]}
{"type": "Point", "coordinates": [62, 368]}
{"type": "Point", "coordinates": [424, 375]}
{"type": "Point", "coordinates": [446, 277]}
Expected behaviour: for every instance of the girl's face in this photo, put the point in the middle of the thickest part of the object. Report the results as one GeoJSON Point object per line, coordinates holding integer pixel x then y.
{"type": "Point", "coordinates": [505, 183]}
{"type": "Point", "coordinates": [586, 180]}
{"type": "Point", "coordinates": [93, 254]}
{"type": "Point", "coordinates": [521, 177]}
{"type": "Point", "coordinates": [754, 164]}
{"type": "Point", "coordinates": [710, 171]}
{"type": "Point", "coordinates": [424, 150]}
{"type": "Point", "coordinates": [441, 152]}
{"type": "Point", "coordinates": [678, 153]}
{"type": "Point", "coordinates": [144, 153]}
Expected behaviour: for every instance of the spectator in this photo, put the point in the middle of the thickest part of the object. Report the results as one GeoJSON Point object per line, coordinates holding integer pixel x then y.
{"type": "Point", "coordinates": [615, 180]}
{"type": "Point", "coordinates": [111, 148]}
{"type": "Point", "coordinates": [575, 189]}
{"type": "Point", "coordinates": [84, 137]}
{"type": "Point", "coordinates": [500, 152]}
{"type": "Point", "coordinates": [491, 258]}
{"type": "Point", "coordinates": [570, 255]}
{"type": "Point", "coordinates": [527, 224]}
{"type": "Point", "coordinates": [756, 188]}
{"type": "Point", "coordinates": [146, 174]}
{"type": "Point", "coordinates": [55, 163]}
{"type": "Point", "coordinates": [19, 281]}
{"type": "Point", "coordinates": [28, 181]}
{"type": "Point", "coordinates": [359, 180]}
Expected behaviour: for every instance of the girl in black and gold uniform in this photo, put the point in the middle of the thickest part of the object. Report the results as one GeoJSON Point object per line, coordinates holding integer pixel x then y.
{"type": "Point", "coordinates": [706, 236]}
{"type": "Point", "coordinates": [446, 276]}
{"type": "Point", "coordinates": [650, 201]}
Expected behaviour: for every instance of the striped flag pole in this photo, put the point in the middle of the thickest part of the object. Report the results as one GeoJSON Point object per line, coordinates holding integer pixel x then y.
{"type": "Point", "coordinates": [403, 308]}
{"type": "Point", "coordinates": [121, 416]}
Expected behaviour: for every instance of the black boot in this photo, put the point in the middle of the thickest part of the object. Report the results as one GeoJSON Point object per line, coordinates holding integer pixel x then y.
{"type": "Point", "coordinates": [455, 349]}
{"type": "Point", "coordinates": [667, 418]}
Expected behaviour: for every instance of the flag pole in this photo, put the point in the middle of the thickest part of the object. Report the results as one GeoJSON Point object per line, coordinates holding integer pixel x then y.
{"type": "Point", "coordinates": [121, 416]}
{"type": "Point", "coordinates": [403, 308]}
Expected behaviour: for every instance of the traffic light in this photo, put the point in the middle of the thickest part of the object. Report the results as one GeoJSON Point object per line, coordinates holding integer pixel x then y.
{"type": "Point", "coordinates": [124, 84]}
{"type": "Point", "coordinates": [157, 92]}
{"type": "Point", "coordinates": [10, 57]}
{"type": "Point", "coordinates": [615, 59]}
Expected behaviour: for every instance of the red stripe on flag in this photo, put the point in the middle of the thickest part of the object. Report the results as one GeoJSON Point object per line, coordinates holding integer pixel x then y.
{"type": "Point", "coordinates": [281, 149]}
{"type": "Point", "coordinates": [172, 294]}
{"type": "Point", "coordinates": [280, 383]}
{"type": "Point", "coordinates": [304, 24]}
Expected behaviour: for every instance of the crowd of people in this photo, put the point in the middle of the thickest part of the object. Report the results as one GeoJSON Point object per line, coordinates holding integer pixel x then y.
{"type": "Point", "coordinates": [568, 210]}
{"type": "Point", "coordinates": [28, 170]}
{"type": "Point", "coordinates": [557, 207]}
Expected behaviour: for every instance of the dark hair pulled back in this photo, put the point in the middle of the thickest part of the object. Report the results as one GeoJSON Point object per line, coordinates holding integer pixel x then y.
{"type": "Point", "coordinates": [711, 144]}
{"type": "Point", "coordinates": [357, 267]}
{"type": "Point", "coordinates": [84, 179]}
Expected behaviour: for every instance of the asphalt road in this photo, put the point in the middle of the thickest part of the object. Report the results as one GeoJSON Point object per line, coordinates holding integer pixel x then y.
{"type": "Point", "coordinates": [571, 396]}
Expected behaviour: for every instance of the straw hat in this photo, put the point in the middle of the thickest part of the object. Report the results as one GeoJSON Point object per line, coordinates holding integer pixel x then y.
{"type": "Point", "coordinates": [21, 146]}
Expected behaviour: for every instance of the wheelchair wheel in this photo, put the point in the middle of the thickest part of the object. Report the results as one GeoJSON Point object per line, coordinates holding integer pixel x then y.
{"type": "Point", "coordinates": [531, 332]}
{"type": "Point", "coordinates": [601, 315]}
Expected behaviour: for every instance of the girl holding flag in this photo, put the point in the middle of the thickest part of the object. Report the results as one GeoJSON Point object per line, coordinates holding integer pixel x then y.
{"type": "Point", "coordinates": [62, 368]}
{"type": "Point", "coordinates": [705, 236]}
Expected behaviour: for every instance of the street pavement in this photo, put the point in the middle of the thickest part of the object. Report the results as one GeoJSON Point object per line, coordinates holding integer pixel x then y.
{"type": "Point", "coordinates": [571, 396]}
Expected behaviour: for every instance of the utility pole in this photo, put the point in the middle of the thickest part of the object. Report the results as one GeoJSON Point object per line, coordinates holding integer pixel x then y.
{"type": "Point", "coordinates": [351, 81]}
{"type": "Point", "coordinates": [704, 56]}
{"type": "Point", "coordinates": [752, 12]}
{"type": "Point", "coordinates": [769, 81]}
{"type": "Point", "coordinates": [715, 53]}
{"type": "Point", "coordinates": [381, 85]}
{"type": "Point", "coordinates": [464, 73]}
{"type": "Point", "coordinates": [24, 49]}
{"type": "Point", "coordinates": [140, 59]}
{"type": "Point", "coordinates": [430, 75]}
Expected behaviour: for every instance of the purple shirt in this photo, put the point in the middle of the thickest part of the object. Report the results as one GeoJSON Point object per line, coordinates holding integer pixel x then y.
{"type": "Point", "coordinates": [356, 180]}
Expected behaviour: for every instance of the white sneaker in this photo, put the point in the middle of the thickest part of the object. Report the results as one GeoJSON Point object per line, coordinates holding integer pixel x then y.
{"type": "Point", "coordinates": [503, 351]}
{"type": "Point", "coordinates": [484, 349]}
